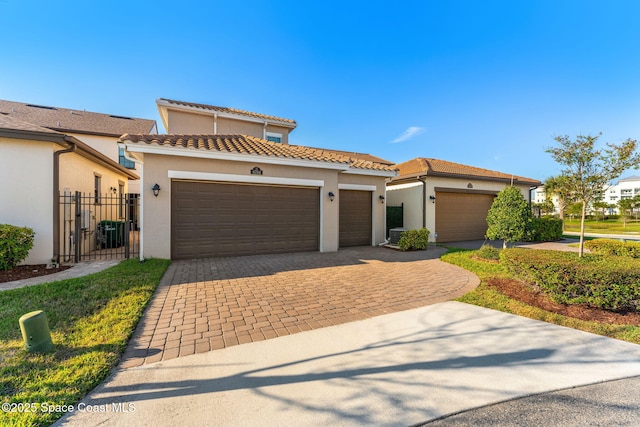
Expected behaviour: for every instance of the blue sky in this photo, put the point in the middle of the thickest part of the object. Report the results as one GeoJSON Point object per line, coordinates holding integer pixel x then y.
{"type": "Point", "coordinates": [485, 83]}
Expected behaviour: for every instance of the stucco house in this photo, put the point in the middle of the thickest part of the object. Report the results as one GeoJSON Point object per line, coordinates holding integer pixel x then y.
{"type": "Point", "coordinates": [36, 163]}
{"type": "Point", "coordinates": [239, 193]}
{"type": "Point", "coordinates": [98, 130]}
{"type": "Point", "coordinates": [450, 199]}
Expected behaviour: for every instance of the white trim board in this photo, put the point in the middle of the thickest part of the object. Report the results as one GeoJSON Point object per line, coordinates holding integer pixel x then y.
{"type": "Point", "coordinates": [359, 187]}
{"type": "Point", "coordinates": [249, 179]}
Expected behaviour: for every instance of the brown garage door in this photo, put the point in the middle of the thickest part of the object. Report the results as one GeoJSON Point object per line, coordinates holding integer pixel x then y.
{"type": "Point", "coordinates": [461, 216]}
{"type": "Point", "coordinates": [355, 218]}
{"type": "Point", "coordinates": [219, 219]}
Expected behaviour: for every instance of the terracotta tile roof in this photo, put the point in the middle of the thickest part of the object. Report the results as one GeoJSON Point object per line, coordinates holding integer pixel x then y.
{"type": "Point", "coordinates": [436, 167]}
{"type": "Point", "coordinates": [11, 123]}
{"type": "Point", "coordinates": [75, 121]}
{"type": "Point", "coordinates": [244, 144]}
{"type": "Point", "coordinates": [228, 110]}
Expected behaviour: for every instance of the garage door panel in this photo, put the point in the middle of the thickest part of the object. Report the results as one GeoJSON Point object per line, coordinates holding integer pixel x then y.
{"type": "Point", "coordinates": [219, 219]}
{"type": "Point", "coordinates": [462, 216]}
{"type": "Point", "coordinates": [355, 218]}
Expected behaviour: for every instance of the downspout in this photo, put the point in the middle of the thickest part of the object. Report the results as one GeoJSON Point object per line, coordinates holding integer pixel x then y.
{"type": "Point", "coordinates": [423, 180]}
{"type": "Point", "coordinates": [56, 196]}
{"type": "Point", "coordinates": [215, 123]}
{"type": "Point", "coordinates": [264, 130]}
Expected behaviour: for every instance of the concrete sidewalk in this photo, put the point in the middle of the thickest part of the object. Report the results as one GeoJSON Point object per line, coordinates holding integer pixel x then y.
{"type": "Point", "coordinates": [78, 270]}
{"type": "Point", "coordinates": [402, 368]}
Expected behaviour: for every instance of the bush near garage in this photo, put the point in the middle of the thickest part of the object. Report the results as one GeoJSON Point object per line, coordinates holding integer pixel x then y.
{"type": "Point", "coordinates": [414, 239]}
{"type": "Point", "coordinates": [614, 247]}
{"type": "Point", "coordinates": [15, 244]}
{"type": "Point", "coordinates": [488, 252]}
{"type": "Point", "coordinates": [605, 282]}
{"type": "Point", "coordinates": [545, 229]}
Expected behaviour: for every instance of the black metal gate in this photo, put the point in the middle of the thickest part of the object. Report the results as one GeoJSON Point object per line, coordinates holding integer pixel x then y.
{"type": "Point", "coordinates": [395, 217]}
{"type": "Point", "coordinates": [98, 227]}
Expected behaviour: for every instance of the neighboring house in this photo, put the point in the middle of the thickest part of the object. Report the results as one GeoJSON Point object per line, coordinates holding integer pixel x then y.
{"type": "Point", "coordinates": [35, 164]}
{"type": "Point", "coordinates": [99, 131]}
{"type": "Point", "coordinates": [450, 199]}
{"type": "Point", "coordinates": [240, 194]}
{"type": "Point", "coordinates": [181, 117]}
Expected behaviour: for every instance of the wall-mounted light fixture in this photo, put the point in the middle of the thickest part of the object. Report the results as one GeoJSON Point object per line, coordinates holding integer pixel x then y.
{"type": "Point", "coordinates": [381, 197]}
{"type": "Point", "coordinates": [432, 198]}
{"type": "Point", "coordinates": [331, 196]}
{"type": "Point", "coordinates": [155, 189]}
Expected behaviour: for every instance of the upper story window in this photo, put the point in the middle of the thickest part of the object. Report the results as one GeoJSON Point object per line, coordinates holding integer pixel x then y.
{"type": "Point", "coordinates": [626, 191]}
{"type": "Point", "coordinates": [124, 161]}
{"type": "Point", "coordinates": [274, 137]}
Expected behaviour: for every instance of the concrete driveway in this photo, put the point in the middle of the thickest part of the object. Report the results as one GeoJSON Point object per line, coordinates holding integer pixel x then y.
{"type": "Point", "coordinates": [209, 304]}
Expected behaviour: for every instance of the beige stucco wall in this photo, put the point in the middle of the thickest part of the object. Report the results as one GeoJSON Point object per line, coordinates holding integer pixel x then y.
{"type": "Point", "coordinates": [108, 146]}
{"type": "Point", "coordinates": [180, 122]}
{"type": "Point", "coordinates": [411, 195]}
{"type": "Point", "coordinates": [26, 198]}
{"type": "Point", "coordinates": [156, 215]}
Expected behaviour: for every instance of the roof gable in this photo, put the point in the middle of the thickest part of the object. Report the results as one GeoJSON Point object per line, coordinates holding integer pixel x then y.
{"type": "Point", "coordinates": [75, 121]}
{"type": "Point", "coordinates": [422, 166]}
{"type": "Point", "coordinates": [163, 102]}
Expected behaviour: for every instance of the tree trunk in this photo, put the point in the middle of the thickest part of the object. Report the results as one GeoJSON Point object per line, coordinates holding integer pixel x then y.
{"type": "Point", "coordinates": [584, 212]}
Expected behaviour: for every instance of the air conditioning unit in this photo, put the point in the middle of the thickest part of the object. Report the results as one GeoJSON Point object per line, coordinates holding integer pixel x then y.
{"type": "Point", "coordinates": [395, 234]}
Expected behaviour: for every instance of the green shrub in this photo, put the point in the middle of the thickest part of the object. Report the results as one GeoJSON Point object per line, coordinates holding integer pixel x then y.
{"type": "Point", "coordinates": [614, 247]}
{"type": "Point", "coordinates": [15, 244]}
{"type": "Point", "coordinates": [545, 229]}
{"type": "Point", "coordinates": [414, 239]}
{"type": "Point", "coordinates": [488, 252]}
{"type": "Point", "coordinates": [607, 282]}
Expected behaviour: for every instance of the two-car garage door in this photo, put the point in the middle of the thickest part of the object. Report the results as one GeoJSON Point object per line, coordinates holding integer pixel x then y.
{"type": "Point", "coordinates": [211, 219]}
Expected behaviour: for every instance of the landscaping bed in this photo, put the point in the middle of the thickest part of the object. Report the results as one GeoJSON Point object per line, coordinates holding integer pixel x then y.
{"type": "Point", "coordinates": [523, 293]}
{"type": "Point", "coordinates": [28, 271]}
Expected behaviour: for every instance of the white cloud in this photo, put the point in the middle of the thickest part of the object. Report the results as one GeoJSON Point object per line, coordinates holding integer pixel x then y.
{"type": "Point", "coordinates": [408, 134]}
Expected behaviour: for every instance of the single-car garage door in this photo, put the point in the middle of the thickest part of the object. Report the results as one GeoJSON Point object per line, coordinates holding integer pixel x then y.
{"type": "Point", "coordinates": [355, 218]}
{"type": "Point", "coordinates": [219, 219]}
{"type": "Point", "coordinates": [461, 216]}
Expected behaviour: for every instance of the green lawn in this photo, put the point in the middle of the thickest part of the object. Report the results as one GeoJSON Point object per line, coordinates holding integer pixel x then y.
{"type": "Point", "coordinates": [91, 319]}
{"type": "Point", "coordinates": [484, 296]}
{"type": "Point", "coordinates": [610, 226]}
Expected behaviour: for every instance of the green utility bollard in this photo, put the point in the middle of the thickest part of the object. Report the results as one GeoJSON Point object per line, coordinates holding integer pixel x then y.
{"type": "Point", "coordinates": [35, 331]}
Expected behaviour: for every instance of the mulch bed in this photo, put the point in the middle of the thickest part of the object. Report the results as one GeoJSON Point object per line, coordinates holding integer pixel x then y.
{"type": "Point", "coordinates": [522, 292]}
{"type": "Point", "coordinates": [27, 271]}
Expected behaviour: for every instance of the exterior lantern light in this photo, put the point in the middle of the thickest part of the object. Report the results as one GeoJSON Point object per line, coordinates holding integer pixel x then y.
{"type": "Point", "coordinates": [331, 196]}
{"type": "Point", "coordinates": [432, 198]}
{"type": "Point", "coordinates": [381, 198]}
{"type": "Point", "coordinates": [155, 189]}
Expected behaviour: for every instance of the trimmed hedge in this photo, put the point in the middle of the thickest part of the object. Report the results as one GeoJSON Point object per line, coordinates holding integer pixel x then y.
{"type": "Point", "coordinates": [546, 229]}
{"type": "Point", "coordinates": [606, 282]}
{"type": "Point", "coordinates": [614, 247]}
{"type": "Point", "coordinates": [15, 244]}
{"type": "Point", "coordinates": [414, 239]}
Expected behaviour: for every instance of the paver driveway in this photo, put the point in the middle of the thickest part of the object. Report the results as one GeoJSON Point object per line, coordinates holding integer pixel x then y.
{"type": "Point", "coordinates": [208, 304]}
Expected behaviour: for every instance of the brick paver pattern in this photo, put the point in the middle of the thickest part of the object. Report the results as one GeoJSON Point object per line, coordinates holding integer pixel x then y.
{"type": "Point", "coordinates": [208, 304]}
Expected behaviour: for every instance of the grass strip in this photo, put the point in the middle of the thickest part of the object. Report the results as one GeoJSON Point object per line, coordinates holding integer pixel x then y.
{"type": "Point", "coordinates": [91, 320]}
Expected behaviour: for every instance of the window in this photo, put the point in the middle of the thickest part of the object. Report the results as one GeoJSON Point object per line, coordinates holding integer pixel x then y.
{"type": "Point", "coordinates": [274, 137]}
{"type": "Point", "coordinates": [124, 161]}
{"type": "Point", "coordinates": [97, 185]}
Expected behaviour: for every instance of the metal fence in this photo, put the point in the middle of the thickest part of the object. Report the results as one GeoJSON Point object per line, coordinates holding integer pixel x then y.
{"type": "Point", "coordinates": [94, 227]}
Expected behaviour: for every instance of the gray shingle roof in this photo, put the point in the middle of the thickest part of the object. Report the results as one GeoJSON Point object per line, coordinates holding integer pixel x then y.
{"type": "Point", "coordinates": [75, 121]}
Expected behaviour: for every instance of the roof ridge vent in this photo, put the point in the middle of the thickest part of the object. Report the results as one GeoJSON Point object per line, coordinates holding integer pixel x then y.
{"type": "Point", "coordinates": [120, 117]}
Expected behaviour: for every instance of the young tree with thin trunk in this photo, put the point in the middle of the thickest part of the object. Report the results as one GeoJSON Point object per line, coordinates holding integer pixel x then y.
{"type": "Point", "coordinates": [558, 186]}
{"type": "Point", "coordinates": [588, 170]}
